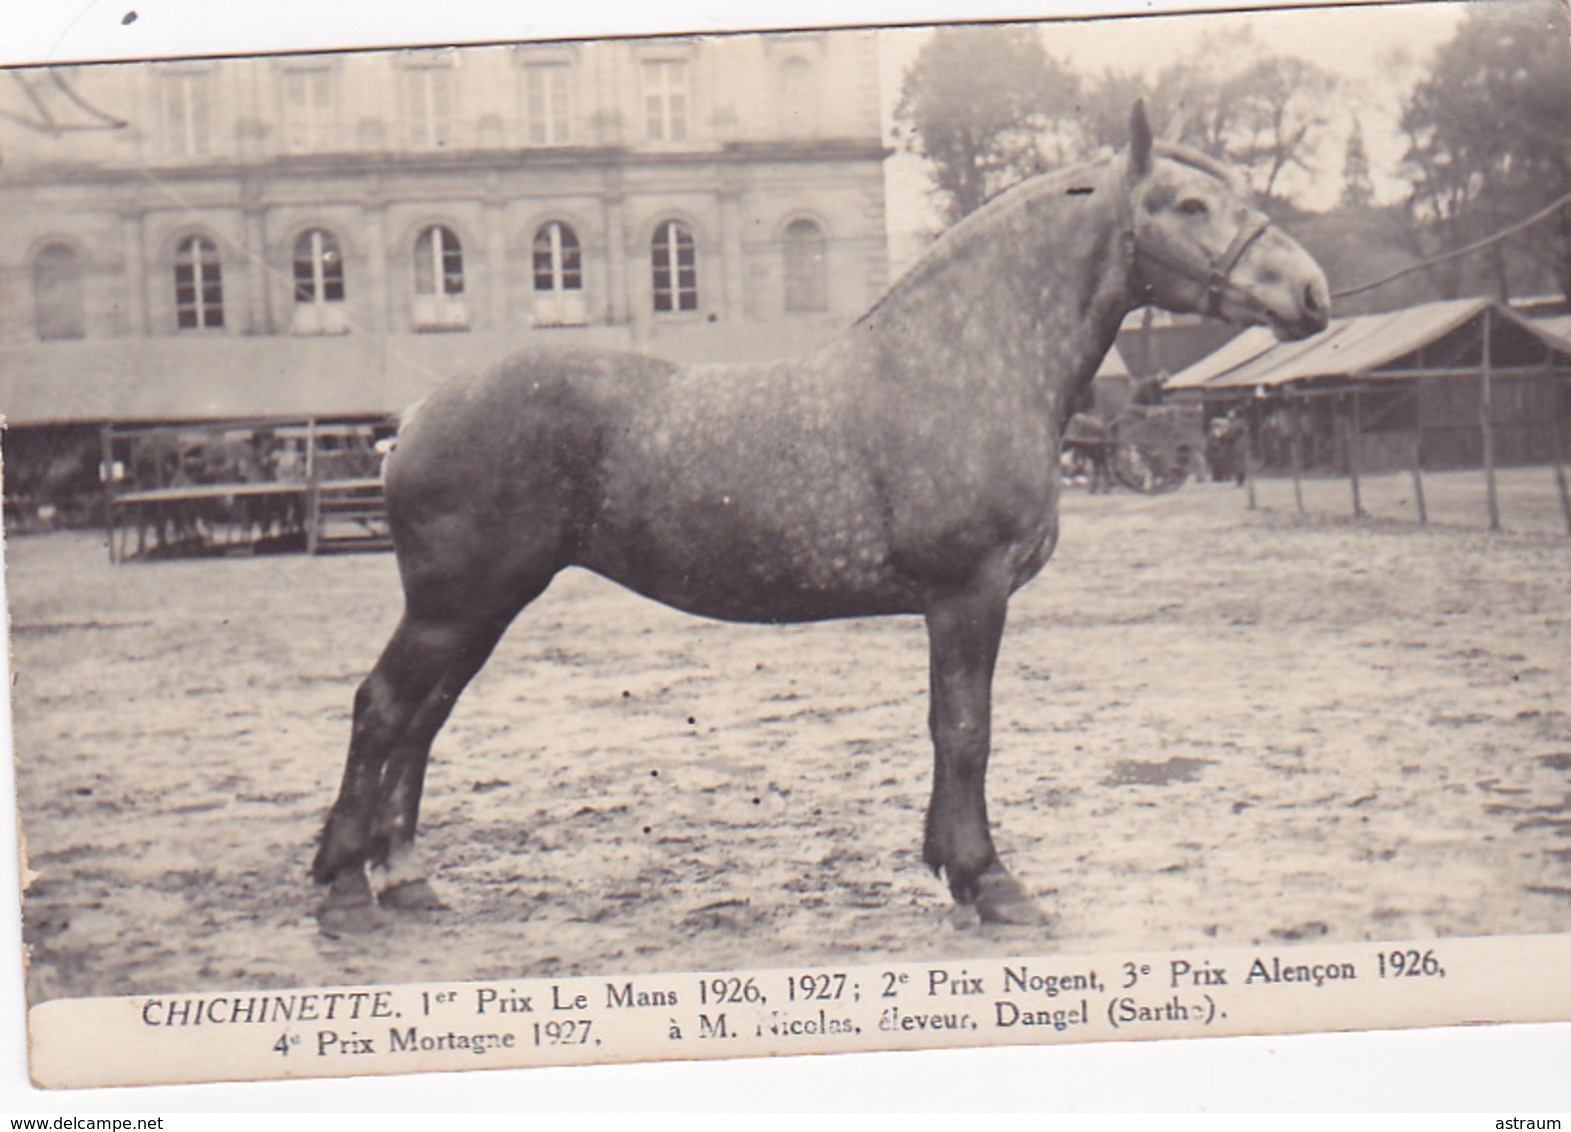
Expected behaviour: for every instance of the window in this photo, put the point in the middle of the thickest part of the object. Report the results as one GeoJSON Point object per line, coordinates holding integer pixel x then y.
{"type": "Point", "coordinates": [185, 103]}
{"type": "Point", "coordinates": [199, 285]}
{"type": "Point", "coordinates": [798, 101]}
{"type": "Point", "coordinates": [308, 109]}
{"type": "Point", "coordinates": [665, 99]}
{"type": "Point", "coordinates": [439, 258]}
{"type": "Point", "coordinates": [548, 104]}
{"type": "Point", "coordinates": [675, 263]}
{"type": "Point", "coordinates": [319, 284]}
{"type": "Point", "coordinates": [428, 95]}
{"type": "Point", "coordinates": [806, 267]}
{"type": "Point", "coordinates": [57, 293]}
{"type": "Point", "coordinates": [439, 281]}
{"type": "Point", "coordinates": [559, 277]}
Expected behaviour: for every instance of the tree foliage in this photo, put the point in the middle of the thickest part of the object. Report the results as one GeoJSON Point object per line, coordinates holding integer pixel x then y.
{"type": "Point", "coordinates": [1490, 139]}
{"type": "Point", "coordinates": [1258, 110]}
{"type": "Point", "coordinates": [986, 106]}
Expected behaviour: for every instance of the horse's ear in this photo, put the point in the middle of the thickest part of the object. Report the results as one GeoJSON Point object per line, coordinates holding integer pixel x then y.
{"type": "Point", "coordinates": [1174, 130]}
{"type": "Point", "coordinates": [1139, 140]}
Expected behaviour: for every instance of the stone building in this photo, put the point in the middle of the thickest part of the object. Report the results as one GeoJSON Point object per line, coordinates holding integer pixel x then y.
{"type": "Point", "coordinates": [333, 234]}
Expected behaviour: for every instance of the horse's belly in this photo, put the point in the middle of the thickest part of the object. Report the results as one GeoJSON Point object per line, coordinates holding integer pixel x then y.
{"type": "Point", "coordinates": [803, 522]}
{"type": "Point", "coordinates": [740, 571]}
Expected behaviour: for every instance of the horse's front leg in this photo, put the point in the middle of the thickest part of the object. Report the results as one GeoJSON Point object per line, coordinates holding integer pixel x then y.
{"type": "Point", "coordinates": [963, 637]}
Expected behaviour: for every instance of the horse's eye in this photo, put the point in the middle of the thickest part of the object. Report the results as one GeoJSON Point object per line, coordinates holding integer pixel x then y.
{"type": "Point", "coordinates": [1193, 206]}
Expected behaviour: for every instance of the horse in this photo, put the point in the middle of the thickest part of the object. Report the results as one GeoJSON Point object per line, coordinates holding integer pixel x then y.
{"type": "Point", "coordinates": [909, 466]}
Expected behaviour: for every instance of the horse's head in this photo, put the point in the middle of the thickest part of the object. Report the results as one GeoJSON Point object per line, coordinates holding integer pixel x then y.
{"type": "Point", "coordinates": [1200, 245]}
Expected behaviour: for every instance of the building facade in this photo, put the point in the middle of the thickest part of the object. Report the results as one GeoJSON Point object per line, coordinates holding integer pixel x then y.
{"type": "Point", "coordinates": [334, 234]}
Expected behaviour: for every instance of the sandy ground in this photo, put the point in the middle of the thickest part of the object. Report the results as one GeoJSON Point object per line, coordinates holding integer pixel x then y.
{"type": "Point", "coordinates": [1211, 725]}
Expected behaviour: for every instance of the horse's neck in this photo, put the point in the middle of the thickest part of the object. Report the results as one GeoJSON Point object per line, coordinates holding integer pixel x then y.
{"type": "Point", "coordinates": [1029, 293]}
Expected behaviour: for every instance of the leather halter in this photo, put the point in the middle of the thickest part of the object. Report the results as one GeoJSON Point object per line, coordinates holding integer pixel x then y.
{"type": "Point", "coordinates": [1215, 276]}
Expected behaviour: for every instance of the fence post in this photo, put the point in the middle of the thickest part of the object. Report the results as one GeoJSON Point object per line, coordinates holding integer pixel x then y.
{"type": "Point", "coordinates": [1417, 452]}
{"type": "Point", "coordinates": [106, 475]}
{"type": "Point", "coordinates": [1250, 436]}
{"type": "Point", "coordinates": [1557, 447]}
{"type": "Point", "coordinates": [1354, 429]}
{"type": "Point", "coordinates": [313, 490]}
{"type": "Point", "coordinates": [1298, 451]}
{"type": "Point", "coordinates": [1486, 425]}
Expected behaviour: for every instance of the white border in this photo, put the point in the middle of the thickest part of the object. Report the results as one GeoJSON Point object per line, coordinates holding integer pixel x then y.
{"type": "Point", "coordinates": [1499, 1071]}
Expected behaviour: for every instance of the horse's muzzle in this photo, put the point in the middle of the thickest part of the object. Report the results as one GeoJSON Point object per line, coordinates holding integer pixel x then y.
{"type": "Point", "coordinates": [1312, 316]}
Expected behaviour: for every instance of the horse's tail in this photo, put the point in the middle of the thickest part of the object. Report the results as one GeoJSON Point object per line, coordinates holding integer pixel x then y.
{"type": "Point", "coordinates": [389, 445]}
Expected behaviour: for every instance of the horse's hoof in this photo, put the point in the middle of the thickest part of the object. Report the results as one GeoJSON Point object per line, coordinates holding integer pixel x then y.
{"type": "Point", "coordinates": [412, 896]}
{"type": "Point", "coordinates": [1001, 900]}
{"type": "Point", "coordinates": [334, 920]}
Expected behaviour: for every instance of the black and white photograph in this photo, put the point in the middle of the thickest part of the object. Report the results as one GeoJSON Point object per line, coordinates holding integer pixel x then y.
{"type": "Point", "coordinates": [790, 499]}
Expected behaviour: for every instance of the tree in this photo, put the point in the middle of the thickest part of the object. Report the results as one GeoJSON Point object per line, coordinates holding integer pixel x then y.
{"type": "Point", "coordinates": [987, 107]}
{"type": "Point", "coordinates": [1358, 190]}
{"type": "Point", "coordinates": [1103, 105]}
{"type": "Point", "coordinates": [1260, 111]}
{"type": "Point", "coordinates": [1490, 136]}
{"type": "Point", "coordinates": [1276, 107]}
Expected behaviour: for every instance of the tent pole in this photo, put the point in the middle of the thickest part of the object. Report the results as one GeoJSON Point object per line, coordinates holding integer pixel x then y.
{"type": "Point", "coordinates": [1486, 426]}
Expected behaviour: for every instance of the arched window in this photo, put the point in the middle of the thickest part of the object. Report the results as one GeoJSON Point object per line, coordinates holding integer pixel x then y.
{"type": "Point", "coordinates": [675, 262]}
{"type": "Point", "coordinates": [319, 284]}
{"type": "Point", "coordinates": [439, 280]}
{"type": "Point", "coordinates": [439, 262]}
{"type": "Point", "coordinates": [806, 267]}
{"type": "Point", "coordinates": [59, 311]}
{"type": "Point", "coordinates": [559, 276]}
{"type": "Point", "coordinates": [199, 285]}
{"type": "Point", "coordinates": [798, 99]}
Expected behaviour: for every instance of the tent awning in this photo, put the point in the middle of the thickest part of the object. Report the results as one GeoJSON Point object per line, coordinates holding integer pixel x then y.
{"type": "Point", "coordinates": [1557, 327]}
{"type": "Point", "coordinates": [1358, 346]}
{"type": "Point", "coordinates": [1113, 365]}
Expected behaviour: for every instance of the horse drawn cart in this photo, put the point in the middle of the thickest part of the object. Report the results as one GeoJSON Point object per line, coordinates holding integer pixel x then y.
{"type": "Point", "coordinates": [1147, 448]}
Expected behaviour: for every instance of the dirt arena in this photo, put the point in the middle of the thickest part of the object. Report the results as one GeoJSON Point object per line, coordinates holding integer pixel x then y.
{"type": "Point", "coordinates": [1211, 725]}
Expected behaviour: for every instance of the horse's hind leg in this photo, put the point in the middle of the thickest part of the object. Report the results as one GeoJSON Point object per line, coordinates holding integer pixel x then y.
{"type": "Point", "coordinates": [404, 884]}
{"type": "Point", "coordinates": [963, 637]}
{"type": "Point", "coordinates": [398, 710]}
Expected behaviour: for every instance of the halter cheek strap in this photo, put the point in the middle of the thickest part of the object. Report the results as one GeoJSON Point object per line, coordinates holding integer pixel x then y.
{"type": "Point", "coordinates": [1219, 277]}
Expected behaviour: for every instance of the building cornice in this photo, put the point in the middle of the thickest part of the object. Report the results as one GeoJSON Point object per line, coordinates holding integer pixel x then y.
{"type": "Point", "coordinates": [349, 164]}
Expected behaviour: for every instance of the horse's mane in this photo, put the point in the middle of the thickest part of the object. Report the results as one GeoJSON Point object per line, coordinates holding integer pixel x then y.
{"type": "Point", "coordinates": [1084, 177]}
{"type": "Point", "coordinates": [948, 246]}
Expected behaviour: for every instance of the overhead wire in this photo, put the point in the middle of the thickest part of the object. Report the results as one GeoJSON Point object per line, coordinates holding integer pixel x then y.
{"type": "Point", "coordinates": [1477, 245]}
